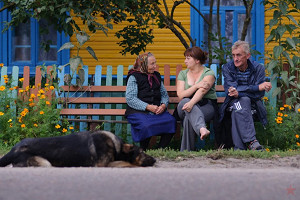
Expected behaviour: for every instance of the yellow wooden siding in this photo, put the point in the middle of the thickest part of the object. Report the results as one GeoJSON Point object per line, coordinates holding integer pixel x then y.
{"type": "Point", "coordinates": [166, 46]}
{"type": "Point", "coordinates": [268, 16]}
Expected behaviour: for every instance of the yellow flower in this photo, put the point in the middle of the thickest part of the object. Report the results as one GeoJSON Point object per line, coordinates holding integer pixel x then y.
{"type": "Point", "coordinates": [298, 144]}
{"type": "Point", "coordinates": [10, 120]}
{"type": "Point", "coordinates": [51, 87]}
{"type": "Point", "coordinates": [23, 126]}
{"type": "Point", "coordinates": [299, 110]}
{"type": "Point", "coordinates": [32, 96]}
{"type": "Point", "coordinates": [11, 89]}
{"type": "Point", "coordinates": [57, 126]}
{"type": "Point", "coordinates": [43, 97]}
{"type": "Point", "coordinates": [42, 112]}
{"type": "Point", "coordinates": [10, 125]}
{"type": "Point", "coordinates": [46, 85]}
{"type": "Point", "coordinates": [279, 120]}
{"type": "Point", "coordinates": [2, 88]}
{"type": "Point", "coordinates": [297, 136]}
{"type": "Point", "coordinates": [35, 125]}
{"type": "Point", "coordinates": [285, 115]}
{"type": "Point", "coordinates": [21, 91]}
{"type": "Point", "coordinates": [33, 87]}
{"type": "Point", "coordinates": [5, 76]}
{"type": "Point", "coordinates": [27, 88]}
{"type": "Point", "coordinates": [267, 149]}
{"type": "Point", "coordinates": [1, 64]}
{"type": "Point", "coordinates": [71, 127]}
{"type": "Point", "coordinates": [265, 99]}
{"type": "Point", "coordinates": [1, 113]}
{"type": "Point", "coordinates": [21, 79]}
{"type": "Point", "coordinates": [280, 114]}
{"type": "Point", "coordinates": [64, 130]}
{"type": "Point", "coordinates": [41, 91]}
{"type": "Point", "coordinates": [281, 108]}
{"type": "Point", "coordinates": [31, 104]}
{"type": "Point", "coordinates": [47, 103]}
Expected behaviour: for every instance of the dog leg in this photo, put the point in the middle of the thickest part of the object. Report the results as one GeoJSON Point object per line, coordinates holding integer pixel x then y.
{"type": "Point", "coordinates": [37, 161]}
{"type": "Point", "coordinates": [121, 164]}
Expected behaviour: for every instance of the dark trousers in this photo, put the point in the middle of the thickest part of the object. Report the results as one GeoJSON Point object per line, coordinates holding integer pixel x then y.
{"type": "Point", "coordinates": [163, 143]}
{"type": "Point", "coordinates": [242, 129]}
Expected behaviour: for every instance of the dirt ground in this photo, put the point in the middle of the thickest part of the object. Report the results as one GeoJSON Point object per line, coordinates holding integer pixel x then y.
{"type": "Point", "coordinates": [252, 163]}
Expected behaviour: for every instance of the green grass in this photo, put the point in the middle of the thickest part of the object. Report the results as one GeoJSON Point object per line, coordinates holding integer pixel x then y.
{"type": "Point", "coordinates": [170, 154]}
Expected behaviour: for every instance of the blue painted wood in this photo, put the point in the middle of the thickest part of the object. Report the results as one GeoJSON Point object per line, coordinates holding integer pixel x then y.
{"type": "Point", "coordinates": [3, 73]}
{"type": "Point", "coordinates": [107, 126]}
{"type": "Point", "coordinates": [129, 138]}
{"type": "Point", "coordinates": [60, 76]}
{"type": "Point", "coordinates": [97, 82]}
{"type": "Point", "coordinates": [83, 125]}
{"type": "Point", "coordinates": [14, 83]}
{"type": "Point", "coordinates": [118, 127]}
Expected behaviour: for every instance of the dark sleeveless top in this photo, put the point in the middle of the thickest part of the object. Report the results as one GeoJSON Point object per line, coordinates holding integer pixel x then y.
{"type": "Point", "coordinates": [146, 93]}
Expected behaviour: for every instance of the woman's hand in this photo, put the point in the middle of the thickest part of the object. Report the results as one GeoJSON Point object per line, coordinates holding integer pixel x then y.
{"type": "Point", "coordinates": [152, 108]}
{"type": "Point", "coordinates": [188, 106]}
{"type": "Point", "coordinates": [160, 109]}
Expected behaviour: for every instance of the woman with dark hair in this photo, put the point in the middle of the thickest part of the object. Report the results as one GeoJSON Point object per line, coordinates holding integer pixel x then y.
{"type": "Point", "coordinates": [196, 89]}
{"type": "Point", "coordinates": [147, 102]}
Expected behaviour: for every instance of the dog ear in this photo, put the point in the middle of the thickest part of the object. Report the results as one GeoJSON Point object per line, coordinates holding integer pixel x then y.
{"type": "Point", "coordinates": [127, 148]}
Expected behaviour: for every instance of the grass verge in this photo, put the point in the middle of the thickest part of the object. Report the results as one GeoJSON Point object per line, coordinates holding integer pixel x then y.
{"type": "Point", "coordinates": [170, 154]}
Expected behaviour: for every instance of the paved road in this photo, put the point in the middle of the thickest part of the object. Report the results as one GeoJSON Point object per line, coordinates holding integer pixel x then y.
{"type": "Point", "coordinates": [148, 184]}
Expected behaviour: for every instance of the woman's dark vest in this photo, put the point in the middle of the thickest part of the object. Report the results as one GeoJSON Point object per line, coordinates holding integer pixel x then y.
{"type": "Point", "coordinates": [145, 92]}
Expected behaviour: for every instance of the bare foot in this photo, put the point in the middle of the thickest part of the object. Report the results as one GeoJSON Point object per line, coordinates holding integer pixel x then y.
{"type": "Point", "coordinates": [204, 133]}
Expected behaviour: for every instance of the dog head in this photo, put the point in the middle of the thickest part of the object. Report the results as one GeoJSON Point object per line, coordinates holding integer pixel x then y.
{"type": "Point", "coordinates": [136, 156]}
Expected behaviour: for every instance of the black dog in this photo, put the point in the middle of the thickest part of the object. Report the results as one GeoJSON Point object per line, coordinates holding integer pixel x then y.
{"type": "Point", "coordinates": [83, 149]}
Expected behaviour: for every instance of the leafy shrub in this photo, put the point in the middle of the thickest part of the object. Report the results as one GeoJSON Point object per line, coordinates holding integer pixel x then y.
{"type": "Point", "coordinates": [283, 129]}
{"type": "Point", "coordinates": [29, 114]}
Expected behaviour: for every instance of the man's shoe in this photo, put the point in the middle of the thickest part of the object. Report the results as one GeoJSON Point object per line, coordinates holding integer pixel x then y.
{"type": "Point", "coordinates": [255, 146]}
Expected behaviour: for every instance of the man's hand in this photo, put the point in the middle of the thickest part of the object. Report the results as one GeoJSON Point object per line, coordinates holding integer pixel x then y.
{"type": "Point", "coordinates": [265, 86]}
{"type": "Point", "coordinates": [232, 92]}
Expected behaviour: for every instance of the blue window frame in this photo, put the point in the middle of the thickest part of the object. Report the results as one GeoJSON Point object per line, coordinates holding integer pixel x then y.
{"type": "Point", "coordinates": [232, 13]}
{"type": "Point", "coordinates": [21, 46]}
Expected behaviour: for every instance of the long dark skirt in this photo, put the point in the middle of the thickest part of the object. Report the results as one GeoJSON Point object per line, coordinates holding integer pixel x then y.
{"type": "Point", "coordinates": [146, 125]}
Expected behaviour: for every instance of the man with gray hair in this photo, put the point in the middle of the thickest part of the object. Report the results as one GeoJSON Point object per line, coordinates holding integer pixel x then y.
{"type": "Point", "coordinates": [245, 85]}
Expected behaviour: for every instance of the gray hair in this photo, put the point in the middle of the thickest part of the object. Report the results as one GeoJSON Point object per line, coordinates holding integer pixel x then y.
{"type": "Point", "coordinates": [243, 44]}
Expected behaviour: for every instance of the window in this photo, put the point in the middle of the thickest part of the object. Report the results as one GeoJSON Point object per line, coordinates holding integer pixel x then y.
{"type": "Point", "coordinates": [232, 15]}
{"type": "Point", "coordinates": [22, 45]}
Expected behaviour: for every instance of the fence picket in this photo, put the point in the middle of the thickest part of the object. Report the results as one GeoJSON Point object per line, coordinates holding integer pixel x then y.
{"type": "Point", "coordinates": [82, 125]}
{"type": "Point", "coordinates": [107, 126]}
{"type": "Point", "coordinates": [97, 82]}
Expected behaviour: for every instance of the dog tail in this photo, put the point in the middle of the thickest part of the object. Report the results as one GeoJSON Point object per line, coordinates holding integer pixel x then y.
{"type": "Point", "coordinates": [6, 159]}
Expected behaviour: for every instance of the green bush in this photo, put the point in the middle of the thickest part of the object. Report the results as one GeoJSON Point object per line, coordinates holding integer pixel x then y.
{"type": "Point", "coordinates": [29, 114]}
{"type": "Point", "coordinates": [283, 129]}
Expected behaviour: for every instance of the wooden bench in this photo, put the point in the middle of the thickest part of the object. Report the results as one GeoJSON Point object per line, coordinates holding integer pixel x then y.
{"type": "Point", "coordinates": [104, 115]}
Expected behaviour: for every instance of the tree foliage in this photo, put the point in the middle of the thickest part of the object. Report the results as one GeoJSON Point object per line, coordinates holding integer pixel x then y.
{"type": "Point", "coordinates": [62, 14]}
